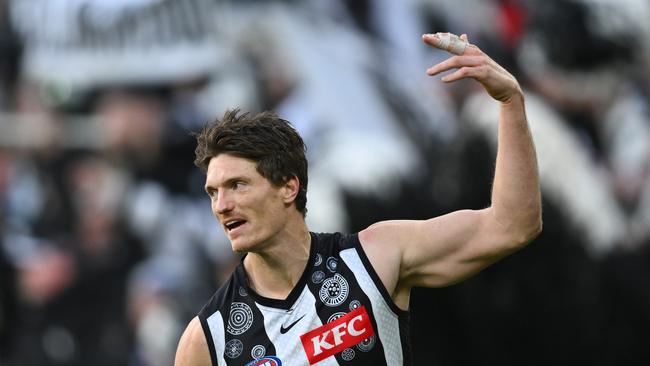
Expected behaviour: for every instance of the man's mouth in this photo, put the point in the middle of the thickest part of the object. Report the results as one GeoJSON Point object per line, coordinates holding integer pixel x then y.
{"type": "Point", "coordinates": [233, 224]}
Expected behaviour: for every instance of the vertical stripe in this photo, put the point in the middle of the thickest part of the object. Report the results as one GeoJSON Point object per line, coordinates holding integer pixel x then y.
{"type": "Point", "coordinates": [215, 322]}
{"type": "Point", "coordinates": [387, 320]}
{"type": "Point", "coordinates": [288, 346]}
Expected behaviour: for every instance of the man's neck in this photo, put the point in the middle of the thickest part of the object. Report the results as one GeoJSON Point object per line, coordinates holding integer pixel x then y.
{"type": "Point", "coordinates": [276, 270]}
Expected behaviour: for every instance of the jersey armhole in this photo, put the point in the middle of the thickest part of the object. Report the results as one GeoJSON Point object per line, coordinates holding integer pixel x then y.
{"type": "Point", "coordinates": [356, 244]}
{"type": "Point", "coordinates": [208, 338]}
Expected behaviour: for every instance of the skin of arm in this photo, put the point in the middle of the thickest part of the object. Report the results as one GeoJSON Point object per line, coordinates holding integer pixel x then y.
{"type": "Point", "coordinates": [193, 347]}
{"type": "Point", "coordinates": [450, 248]}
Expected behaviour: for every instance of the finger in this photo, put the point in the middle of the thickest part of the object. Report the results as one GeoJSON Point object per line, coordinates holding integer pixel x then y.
{"type": "Point", "coordinates": [464, 37]}
{"type": "Point", "coordinates": [477, 72]}
{"type": "Point", "coordinates": [446, 41]}
{"type": "Point", "coordinates": [454, 62]}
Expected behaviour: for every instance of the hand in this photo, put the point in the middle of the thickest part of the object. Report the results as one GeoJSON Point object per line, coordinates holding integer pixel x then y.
{"type": "Point", "coordinates": [473, 63]}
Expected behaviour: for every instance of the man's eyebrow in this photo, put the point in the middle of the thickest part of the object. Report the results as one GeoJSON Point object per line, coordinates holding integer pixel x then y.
{"type": "Point", "coordinates": [208, 188]}
{"type": "Point", "coordinates": [238, 178]}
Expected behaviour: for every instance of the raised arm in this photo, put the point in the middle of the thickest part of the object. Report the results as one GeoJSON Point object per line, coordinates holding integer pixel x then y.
{"type": "Point", "coordinates": [447, 249]}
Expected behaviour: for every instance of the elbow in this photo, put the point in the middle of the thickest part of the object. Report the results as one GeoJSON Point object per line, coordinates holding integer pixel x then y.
{"type": "Point", "coordinates": [536, 223]}
{"type": "Point", "coordinates": [535, 230]}
{"type": "Point", "coordinates": [529, 232]}
{"type": "Point", "coordinates": [517, 231]}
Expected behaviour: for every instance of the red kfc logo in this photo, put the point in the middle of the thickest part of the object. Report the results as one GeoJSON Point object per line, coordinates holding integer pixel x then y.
{"type": "Point", "coordinates": [337, 335]}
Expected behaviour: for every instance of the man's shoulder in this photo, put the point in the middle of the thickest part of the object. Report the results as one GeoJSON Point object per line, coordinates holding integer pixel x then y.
{"type": "Point", "coordinates": [193, 346]}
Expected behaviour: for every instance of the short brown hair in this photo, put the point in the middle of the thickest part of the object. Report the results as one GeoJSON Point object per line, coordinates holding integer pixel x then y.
{"type": "Point", "coordinates": [264, 138]}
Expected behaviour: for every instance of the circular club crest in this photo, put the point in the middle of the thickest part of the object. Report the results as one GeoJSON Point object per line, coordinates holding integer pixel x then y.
{"type": "Point", "coordinates": [318, 277]}
{"type": "Point", "coordinates": [347, 354]}
{"type": "Point", "coordinates": [240, 319]}
{"type": "Point", "coordinates": [354, 304]}
{"type": "Point", "coordinates": [242, 291]}
{"type": "Point", "coordinates": [319, 260]}
{"type": "Point", "coordinates": [258, 351]}
{"type": "Point", "coordinates": [367, 344]}
{"type": "Point", "coordinates": [334, 290]}
{"type": "Point", "coordinates": [335, 316]}
{"type": "Point", "coordinates": [332, 264]}
{"type": "Point", "coordinates": [233, 348]}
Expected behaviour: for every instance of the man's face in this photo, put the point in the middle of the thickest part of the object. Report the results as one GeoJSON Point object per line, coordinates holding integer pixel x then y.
{"type": "Point", "coordinates": [250, 209]}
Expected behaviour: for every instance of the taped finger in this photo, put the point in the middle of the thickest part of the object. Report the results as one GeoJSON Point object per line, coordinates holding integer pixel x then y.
{"type": "Point", "coordinates": [451, 43]}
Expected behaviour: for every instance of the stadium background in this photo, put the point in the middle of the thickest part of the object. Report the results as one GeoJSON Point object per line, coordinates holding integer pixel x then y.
{"type": "Point", "coordinates": [107, 244]}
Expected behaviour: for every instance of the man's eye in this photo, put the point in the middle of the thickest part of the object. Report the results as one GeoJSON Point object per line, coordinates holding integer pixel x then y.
{"type": "Point", "coordinates": [237, 185]}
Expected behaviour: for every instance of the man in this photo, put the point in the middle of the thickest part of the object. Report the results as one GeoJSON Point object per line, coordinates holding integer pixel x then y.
{"type": "Point", "coordinates": [300, 298]}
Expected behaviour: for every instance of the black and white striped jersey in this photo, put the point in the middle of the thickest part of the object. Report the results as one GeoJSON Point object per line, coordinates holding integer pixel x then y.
{"type": "Point", "coordinates": [339, 313]}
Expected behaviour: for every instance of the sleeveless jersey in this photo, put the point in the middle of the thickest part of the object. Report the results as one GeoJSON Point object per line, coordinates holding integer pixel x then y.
{"type": "Point", "coordinates": [339, 313]}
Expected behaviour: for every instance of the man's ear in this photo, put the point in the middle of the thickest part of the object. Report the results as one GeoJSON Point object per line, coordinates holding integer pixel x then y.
{"type": "Point", "coordinates": [290, 189]}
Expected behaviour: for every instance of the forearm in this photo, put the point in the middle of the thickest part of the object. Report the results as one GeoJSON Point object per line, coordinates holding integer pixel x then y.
{"type": "Point", "coordinates": [516, 207]}
{"type": "Point", "coordinates": [516, 201]}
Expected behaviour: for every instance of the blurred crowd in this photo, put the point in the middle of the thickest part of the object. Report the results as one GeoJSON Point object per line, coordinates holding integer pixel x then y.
{"type": "Point", "coordinates": [107, 243]}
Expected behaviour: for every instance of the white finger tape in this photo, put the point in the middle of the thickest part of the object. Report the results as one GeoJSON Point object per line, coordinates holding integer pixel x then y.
{"type": "Point", "coordinates": [451, 43]}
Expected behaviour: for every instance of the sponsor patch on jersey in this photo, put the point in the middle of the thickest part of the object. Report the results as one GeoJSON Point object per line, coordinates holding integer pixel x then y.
{"type": "Point", "coordinates": [338, 335]}
{"type": "Point", "coordinates": [266, 361]}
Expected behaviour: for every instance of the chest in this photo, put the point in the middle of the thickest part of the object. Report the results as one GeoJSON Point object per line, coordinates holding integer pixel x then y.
{"type": "Point", "coordinates": [330, 320]}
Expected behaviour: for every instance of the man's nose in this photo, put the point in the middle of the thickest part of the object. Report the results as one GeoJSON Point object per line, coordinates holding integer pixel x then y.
{"type": "Point", "coordinates": [223, 203]}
